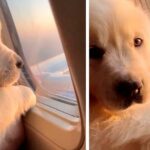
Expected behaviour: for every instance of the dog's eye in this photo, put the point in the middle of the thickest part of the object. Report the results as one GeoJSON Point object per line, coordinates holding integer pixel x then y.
{"type": "Point", "coordinates": [96, 52]}
{"type": "Point", "coordinates": [138, 42]}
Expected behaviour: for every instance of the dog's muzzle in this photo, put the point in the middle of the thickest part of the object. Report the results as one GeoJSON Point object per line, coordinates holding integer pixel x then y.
{"type": "Point", "coordinates": [130, 91]}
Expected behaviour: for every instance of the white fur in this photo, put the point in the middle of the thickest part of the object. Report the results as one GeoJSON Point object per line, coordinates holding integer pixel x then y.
{"type": "Point", "coordinates": [14, 100]}
{"type": "Point", "coordinates": [113, 25]}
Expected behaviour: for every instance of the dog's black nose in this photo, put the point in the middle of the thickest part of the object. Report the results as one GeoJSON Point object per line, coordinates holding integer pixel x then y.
{"type": "Point", "coordinates": [130, 90]}
{"type": "Point", "coordinates": [19, 63]}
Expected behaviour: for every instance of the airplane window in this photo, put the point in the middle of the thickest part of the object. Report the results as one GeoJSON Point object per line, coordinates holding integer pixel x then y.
{"type": "Point", "coordinates": [42, 48]}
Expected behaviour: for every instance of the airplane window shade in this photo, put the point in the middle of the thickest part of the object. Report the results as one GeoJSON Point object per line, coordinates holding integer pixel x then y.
{"type": "Point", "coordinates": [42, 48]}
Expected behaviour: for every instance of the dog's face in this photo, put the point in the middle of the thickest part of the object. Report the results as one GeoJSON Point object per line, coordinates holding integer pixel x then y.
{"type": "Point", "coordinates": [10, 65]}
{"type": "Point", "coordinates": [119, 53]}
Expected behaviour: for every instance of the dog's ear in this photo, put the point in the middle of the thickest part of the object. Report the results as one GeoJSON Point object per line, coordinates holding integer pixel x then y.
{"type": "Point", "coordinates": [143, 4]}
{"type": "Point", "coordinates": [137, 3]}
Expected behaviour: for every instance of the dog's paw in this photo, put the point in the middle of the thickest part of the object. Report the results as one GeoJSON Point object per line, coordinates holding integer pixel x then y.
{"type": "Point", "coordinates": [15, 101]}
{"type": "Point", "coordinates": [28, 98]}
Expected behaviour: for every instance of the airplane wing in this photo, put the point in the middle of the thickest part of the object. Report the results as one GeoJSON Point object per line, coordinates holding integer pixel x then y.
{"type": "Point", "coordinates": [53, 74]}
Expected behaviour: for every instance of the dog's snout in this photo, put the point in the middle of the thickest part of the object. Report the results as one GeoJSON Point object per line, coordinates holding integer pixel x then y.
{"type": "Point", "coordinates": [130, 90]}
{"type": "Point", "coordinates": [19, 62]}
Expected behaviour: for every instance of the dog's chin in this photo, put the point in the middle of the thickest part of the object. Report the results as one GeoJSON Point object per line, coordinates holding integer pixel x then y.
{"type": "Point", "coordinates": [10, 81]}
{"type": "Point", "coordinates": [117, 108]}
{"type": "Point", "coordinates": [123, 105]}
{"type": "Point", "coordinates": [6, 84]}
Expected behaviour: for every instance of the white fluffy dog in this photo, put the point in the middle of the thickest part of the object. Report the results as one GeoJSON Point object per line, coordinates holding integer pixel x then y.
{"type": "Point", "coordinates": [119, 76]}
{"type": "Point", "coordinates": [14, 100]}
